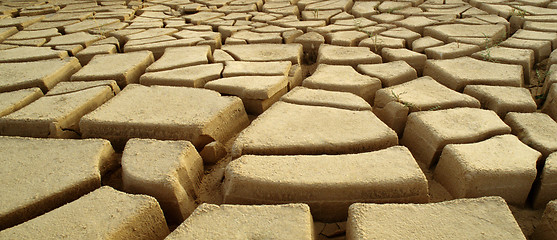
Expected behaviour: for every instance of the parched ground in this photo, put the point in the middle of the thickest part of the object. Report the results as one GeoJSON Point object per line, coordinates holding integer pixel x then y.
{"type": "Point", "coordinates": [278, 119]}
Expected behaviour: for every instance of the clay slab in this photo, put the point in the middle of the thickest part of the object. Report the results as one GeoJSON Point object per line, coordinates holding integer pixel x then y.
{"type": "Point", "coordinates": [536, 130]}
{"type": "Point", "coordinates": [209, 221]}
{"type": "Point", "coordinates": [502, 99]}
{"type": "Point", "coordinates": [194, 76]}
{"type": "Point", "coordinates": [318, 97]}
{"type": "Point", "coordinates": [343, 79]}
{"type": "Point", "coordinates": [43, 74]}
{"type": "Point", "coordinates": [39, 175]}
{"type": "Point", "coordinates": [266, 52]}
{"type": "Point", "coordinates": [57, 114]}
{"type": "Point", "coordinates": [104, 213]}
{"type": "Point", "coordinates": [480, 218]}
{"type": "Point", "coordinates": [546, 228]}
{"type": "Point", "coordinates": [545, 191]}
{"type": "Point", "coordinates": [289, 129]}
{"type": "Point", "coordinates": [329, 189]}
{"type": "Point", "coordinates": [427, 132]}
{"type": "Point", "coordinates": [124, 68]}
{"type": "Point", "coordinates": [170, 171]}
{"type": "Point", "coordinates": [13, 101]}
{"type": "Point", "coordinates": [500, 166]}
{"type": "Point", "coordinates": [166, 113]}
{"type": "Point", "coordinates": [459, 72]}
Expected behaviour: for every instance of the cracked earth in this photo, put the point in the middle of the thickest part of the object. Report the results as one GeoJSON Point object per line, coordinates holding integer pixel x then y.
{"type": "Point", "coordinates": [278, 119]}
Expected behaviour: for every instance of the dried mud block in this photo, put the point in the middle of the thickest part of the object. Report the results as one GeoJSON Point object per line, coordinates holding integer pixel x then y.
{"type": "Point", "coordinates": [377, 42]}
{"type": "Point", "coordinates": [81, 38]}
{"type": "Point", "coordinates": [550, 105]}
{"type": "Point", "coordinates": [343, 79]}
{"type": "Point", "coordinates": [150, 33]}
{"type": "Point", "coordinates": [364, 9]}
{"type": "Point", "coordinates": [402, 33]}
{"type": "Point", "coordinates": [166, 113]}
{"type": "Point", "coordinates": [459, 72]}
{"type": "Point", "coordinates": [324, 15]}
{"type": "Point", "coordinates": [541, 26]}
{"type": "Point", "coordinates": [170, 171]}
{"type": "Point", "coordinates": [416, 23]}
{"type": "Point", "coordinates": [71, 49]}
{"type": "Point", "coordinates": [258, 38]}
{"type": "Point", "coordinates": [266, 52]}
{"type": "Point", "coordinates": [220, 56]}
{"type": "Point", "coordinates": [536, 35]}
{"type": "Point", "coordinates": [329, 189]}
{"type": "Point", "coordinates": [420, 44]}
{"type": "Point", "coordinates": [500, 166]}
{"type": "Point", "coordinates": [295, 76]}
{"type": "Point", "coordinates": [211, 39]}
{"type": "Point", "coordinates": [391, 6]}
{"type": "Point", "coordinates": [545, 230]}
{"type": "Point", "coordinates": [7, 46]}
{"type": "Point", "coordinates": [502, 99]}
{"type": "Point", "coordinates": [43, 74]}
{"type": "Point", "coordinates": [451, 50]}
{"type": "Point", "coordinates": [121, 34]}
{"type": "Point", "coordinates": [386, 17]}
{"type": "Point", "coordinates": [124, 68]}
{"type": "Point", "coordinates": [343, 5]}
{"type": "Point", "coordinates": [536, 130]}
{"type": "Point", "coordinates": [39, 175]}
{"type": "Point", "coordinates": [104, 213]}
{"type": "Point", "coordinates": [88, 24]}
{"type": "Point", "coordinates": [552, 58]}
{"type": "Point", "coordinates": [6, 32]}
{"type": "Point", "coordinates": [550, 78]}
{"type": "Point", "coordinates": [234, 41]}
{"type": "Point", "coordinates": [47, 25]}
{"type": "Point", "coordinates": [143, 41]}
{"type": "Point", "coordinates": [57, 114]}
{"type": "Point", "coordinates": [258, 93]}
{"type": "Point", "coordinates": [88, 53]}
{"type": "Point", "coordinates": [108, 41]}
{"type": "Point", "coordinates": [158, 48]}
{"type": "Point", "coordinates": [213, 152]}
{"type": "Point", "coordinates": [226, 31]}
{"type": "Point", "coordinates": [28, 35]}
{"type": "Point", "coordinates": [391, 73]}
{"type": "Point", "coordinates": [194, 76]}
{"type": "Point", "coordinates": [522, 57]}
{"type": "Point", "coordinates": [318, 97]}
{"type": "Point", "coordinates": [200, 17]}
{"type": "Point", "coordinates": [27, 54]}
{"type": "Point", "coordinates": [311, 42]}
{"type": "Point", "coordinates": [345, 38]}
{"type": "Point", "coordinates": [13, 101]}
{"type": "Point", "coordinates": [30, 42]}
{"type": "Point", "coordinates": [339, 55]}
{"type": "Point", "coordinates": [290, 129]}
{"type": "Point", "coordinates": [427, 132]}
{"type": "Point", "coordinates": [414, 59]}
{"type": "Point", "coordinates": [546, 189]}
{"type": "Point", "coordinates": [209, 221]}
{"type": "Point", "coordinates": [541, 48]}
{"type": "Point", "coordinates": [421, 94]}
{"type": "Point", "coordinates": [493, 32]}
{"type": "Point", "coordinates": [242, 68]}
{"type": "Point", "coordinates": [479, 218]}
{"type": "Point", "coordinates": [182, 57]}
{"type": "Point", "coordinates": [20, 22]}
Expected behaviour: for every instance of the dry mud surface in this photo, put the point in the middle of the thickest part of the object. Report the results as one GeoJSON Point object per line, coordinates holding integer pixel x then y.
{"type": "Point", "coordinates": [278, 119]}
